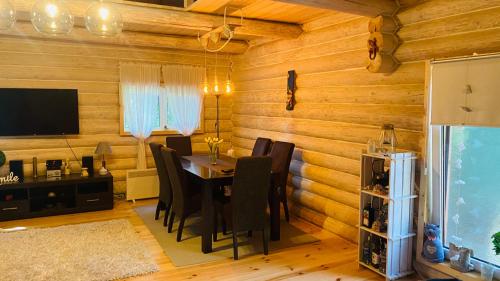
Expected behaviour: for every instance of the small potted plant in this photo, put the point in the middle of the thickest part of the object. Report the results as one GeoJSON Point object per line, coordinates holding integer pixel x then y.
{"type": "Point", "coordinates": [487, 269]}
{"type": "Point", "coordinates": [213, 147]}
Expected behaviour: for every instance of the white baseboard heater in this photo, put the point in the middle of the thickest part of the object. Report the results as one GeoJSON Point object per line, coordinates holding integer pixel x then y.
{"type": "Point", "coordinates": [142, 184]}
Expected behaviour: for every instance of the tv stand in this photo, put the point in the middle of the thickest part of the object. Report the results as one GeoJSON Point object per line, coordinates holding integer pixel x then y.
{"type": "Point", "coordinates": [42, 196]}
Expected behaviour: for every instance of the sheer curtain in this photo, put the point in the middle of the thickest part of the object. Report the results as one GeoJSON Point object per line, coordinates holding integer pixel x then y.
{"type": "Point", "coordinates": [140, 90]}
{"type": "Point", "coordinates": [184, 97]}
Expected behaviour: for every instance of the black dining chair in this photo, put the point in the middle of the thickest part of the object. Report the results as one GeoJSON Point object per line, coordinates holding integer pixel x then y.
{"type": "Point", "coordinates": [281, 153]}
{"type": "Point", "coordinates": [186, 199]}
{"type": "Point", "coordinates": [247, 208]}
{"type": "Point", "coordinates": [165, 196]}
{"type": "Point", "coordinates": [262, 147]}
{"type": "Point", "coordinates": [181, 144]}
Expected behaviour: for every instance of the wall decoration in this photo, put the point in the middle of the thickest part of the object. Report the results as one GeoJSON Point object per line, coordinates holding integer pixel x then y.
{"type": "Point", "coordinates": [382, 44]}
{"type": "Point", "coordinates": [290, 93]}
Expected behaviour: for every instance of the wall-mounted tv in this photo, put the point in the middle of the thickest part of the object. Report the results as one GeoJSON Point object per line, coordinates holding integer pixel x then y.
{"type": "Point", "coordinates": [30, 112]}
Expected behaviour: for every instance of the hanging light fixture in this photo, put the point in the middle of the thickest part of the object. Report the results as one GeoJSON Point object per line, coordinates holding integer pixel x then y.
{"type": "Point", "coordinates": [103, 19]}
{"type": "Point", "coordinates": [206, 86]}
{"type": "Point", "coordinates": [7, 15]}
{"type": "Point", "coordinates": [216, 80]}
{"type": "Point", "coordinates": [52, 17]}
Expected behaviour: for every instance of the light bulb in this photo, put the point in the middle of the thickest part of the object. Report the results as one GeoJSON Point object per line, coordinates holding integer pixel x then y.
{"type": "Point", "coordinates": [216, 88]}
{"type": "Point", "coordinates": [103, 19]}
{"type": "Point", "coordinates": [206, 88]}
{"type": "Point", "coordinates": [229, 87]}
{"type": "Point", "coordinates": [51, 17]}
{"type": "Point", "coordinates": [7, 15]}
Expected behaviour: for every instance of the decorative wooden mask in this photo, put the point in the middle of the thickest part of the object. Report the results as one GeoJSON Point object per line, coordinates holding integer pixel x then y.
{"type": "Point", "coordinates": [382, 44]}
{"type": "Point", "coordinates": [290, 93]}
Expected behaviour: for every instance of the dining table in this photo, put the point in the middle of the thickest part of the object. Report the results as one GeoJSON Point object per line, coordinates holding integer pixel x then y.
{"type": "Point", "coordinates": [209, 177]}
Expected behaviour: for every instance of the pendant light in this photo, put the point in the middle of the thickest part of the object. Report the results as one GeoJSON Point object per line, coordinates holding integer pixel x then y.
{"type": "Point", "coordinates": [206, 85]}
{"type": "Point", "coordinates": [103, 19]}
{"type": "Point", "coordinates": [216, 80]}
{"type": "Point", "coordinates": [7, 15]}
{"type": "Point", "coordinates": [52, 17]}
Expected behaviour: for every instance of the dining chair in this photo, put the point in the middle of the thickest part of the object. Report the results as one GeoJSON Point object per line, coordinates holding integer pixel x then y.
{"type": "Point", "coordinates": [281, 153]}
{"type": "Point", "coordinates": [262, 147]}
{"type": "Point", "coordinates": [186, 201]}
{"type": "Point", "coordinates": [165, 195]}
{"type": "Point", "coordinates": [181, 144]}
{"type": "Point", "coordinates": [249, 198]}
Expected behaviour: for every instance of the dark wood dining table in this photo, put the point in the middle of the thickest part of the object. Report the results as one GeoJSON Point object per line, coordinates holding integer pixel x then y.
{"type": "Point", "coordinates": [209, 177]}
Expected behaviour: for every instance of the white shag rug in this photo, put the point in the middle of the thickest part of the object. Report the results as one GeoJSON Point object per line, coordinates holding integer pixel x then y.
{"type": "Point", "coordinates": [106, 250]}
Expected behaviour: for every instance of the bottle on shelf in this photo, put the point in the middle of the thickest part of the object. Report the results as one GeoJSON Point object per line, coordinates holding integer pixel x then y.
{"type": "Point", "coordinates": [366, 250]}
{"type": "Point", "coordinates": [375, 250]}
{"type": "Point", "coordinates": [368, 215]}
{"type": "Point", "coordinates": [383, 257]}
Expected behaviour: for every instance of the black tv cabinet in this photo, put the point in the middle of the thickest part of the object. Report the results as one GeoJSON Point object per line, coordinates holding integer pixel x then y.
{"type": "Point", "coordinates": [42, 196]}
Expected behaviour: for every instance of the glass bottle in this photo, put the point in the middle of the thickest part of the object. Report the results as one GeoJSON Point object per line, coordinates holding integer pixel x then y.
{"type": "Point", "coordinates": [366, 250]}
{"type": "Point", "coordinates": [375, 249]}
{"type": "Point", "coordinates": [368, 215]}
{"type": "Point", "coordinates": [383, 257]}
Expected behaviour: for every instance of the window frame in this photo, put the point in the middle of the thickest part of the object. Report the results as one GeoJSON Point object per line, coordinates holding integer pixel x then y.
{"type": "Point", "coordinates": [161, 132]}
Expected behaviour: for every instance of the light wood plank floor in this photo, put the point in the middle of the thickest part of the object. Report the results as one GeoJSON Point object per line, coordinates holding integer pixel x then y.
{"type": "Point", "coordinates": [333, 258]}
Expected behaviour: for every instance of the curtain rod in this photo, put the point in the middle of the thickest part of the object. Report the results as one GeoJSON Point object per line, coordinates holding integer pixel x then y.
{"type": "Point", "coordinates": [465, 58]}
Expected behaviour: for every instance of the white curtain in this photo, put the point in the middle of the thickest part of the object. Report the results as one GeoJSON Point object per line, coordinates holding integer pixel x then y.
{"type": "Point", "coordinates": [184, 97]}
{"type": "Point", "coordinates": [140, 89]}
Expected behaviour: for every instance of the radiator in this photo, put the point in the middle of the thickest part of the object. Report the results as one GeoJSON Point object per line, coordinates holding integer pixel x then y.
{"type": "Point", "coordinates": [142, 184]}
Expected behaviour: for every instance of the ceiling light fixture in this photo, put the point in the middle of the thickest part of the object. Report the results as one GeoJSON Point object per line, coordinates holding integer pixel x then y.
{"type": "Point", "coordinates": [7, 15]}
{"type": "Point", "coordinates": [103, 19]}
{"type": "Point", "coordinates": [52, 17]}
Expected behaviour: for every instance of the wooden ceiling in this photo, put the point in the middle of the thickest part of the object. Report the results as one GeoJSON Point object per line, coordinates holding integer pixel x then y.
{"type": "Point", "coordinates": [260, 9]}
{"type": "Point", "coordinates": [153, 23]}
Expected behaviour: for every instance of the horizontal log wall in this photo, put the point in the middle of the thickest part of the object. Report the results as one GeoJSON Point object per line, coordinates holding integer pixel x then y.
{"type": "Point", "coordinates": [94, 71]}
{"type": "Point", "coordinates": [340, 105]}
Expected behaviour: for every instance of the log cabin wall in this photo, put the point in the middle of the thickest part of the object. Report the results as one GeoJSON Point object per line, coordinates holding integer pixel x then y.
{"type": "Point", "coordinates": [340, 105]}
{"type": "Point", "coordinates": [94, 71]}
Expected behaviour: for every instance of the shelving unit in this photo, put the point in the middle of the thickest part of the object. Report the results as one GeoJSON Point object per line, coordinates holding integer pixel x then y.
{"type": "Point", "coordinates": [400, 197]}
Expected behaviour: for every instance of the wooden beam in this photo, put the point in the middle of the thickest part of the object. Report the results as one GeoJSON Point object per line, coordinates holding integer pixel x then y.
{"type": "Point", "coordinates": [142, 18]}
{"type": "Point", "coordinates": [371, 8]}
{"type": "Point", "coordinates": [127, 38]}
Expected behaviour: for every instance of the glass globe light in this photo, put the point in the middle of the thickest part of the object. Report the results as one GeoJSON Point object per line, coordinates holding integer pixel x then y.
{"type": "Point", "coordinates": [103, 19]}
{"type": "Point", "coordinates": [7, 15]}
{"type": "Point", "coordinates": [52, 17]}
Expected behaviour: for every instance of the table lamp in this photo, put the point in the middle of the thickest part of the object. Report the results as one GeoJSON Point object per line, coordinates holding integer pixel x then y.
{"type": "Point", "coordinates": [102, 149]}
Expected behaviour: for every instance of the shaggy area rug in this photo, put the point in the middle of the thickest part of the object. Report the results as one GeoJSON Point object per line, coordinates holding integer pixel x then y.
{"type": "Point", "coordinates": [106, 250]}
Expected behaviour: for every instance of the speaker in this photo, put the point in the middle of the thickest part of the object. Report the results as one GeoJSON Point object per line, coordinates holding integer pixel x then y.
{"type": "Point", "coordinates": [88, 162]}
{"type": "Point", "coordinates": [16, 167]}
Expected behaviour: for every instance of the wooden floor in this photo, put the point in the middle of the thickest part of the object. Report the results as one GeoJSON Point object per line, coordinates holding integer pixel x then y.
{"type": "Point", "coordinates": [333, 258]}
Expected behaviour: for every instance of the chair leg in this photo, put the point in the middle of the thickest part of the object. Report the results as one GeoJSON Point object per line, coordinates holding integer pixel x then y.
{"type": "Point", "coordinates": [167, 212]}
{"type": "Point", "coordinates": [224, 226]}
{"type": "Point", "coordinates": [158, 209]}
{"type": "Point", "coordinates": [179, 229]}
{"type": "Point", "coordinates": [171, 222]}
{"type": "Point", "coordinates": [235, 245]}
{"type": "Point", "coordinates": [265, 241]}
{"type": "Point", "coordinates": [285, 207]}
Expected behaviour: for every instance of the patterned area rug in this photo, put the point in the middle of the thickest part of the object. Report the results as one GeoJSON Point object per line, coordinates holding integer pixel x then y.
{"type": "Point", "coordinates": [188, 251]}
{"type": "Point", "coordinates": [106, 250]}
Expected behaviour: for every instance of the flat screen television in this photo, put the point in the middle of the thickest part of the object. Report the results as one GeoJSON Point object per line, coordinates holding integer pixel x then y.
{"type": "Point", "coordinates": [30, 112]}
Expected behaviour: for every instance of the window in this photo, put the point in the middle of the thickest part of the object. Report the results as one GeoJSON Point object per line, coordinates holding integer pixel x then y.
{"type": "Point", "coordinates": [470, 164]}
{"type": "Point", "coordinates": [463, 165]}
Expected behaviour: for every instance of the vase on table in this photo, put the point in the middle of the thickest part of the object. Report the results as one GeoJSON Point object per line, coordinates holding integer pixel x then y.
{"type": "Point", "coordinates": [213, 148]}
{"type": "Point", "coordinates": [487, 271]}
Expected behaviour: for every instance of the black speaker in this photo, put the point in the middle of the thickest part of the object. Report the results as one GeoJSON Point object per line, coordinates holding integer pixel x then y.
{"type": "Point", "coordinates": [16, 167]}
{"type": "Point", "coordinates": [88, 162]}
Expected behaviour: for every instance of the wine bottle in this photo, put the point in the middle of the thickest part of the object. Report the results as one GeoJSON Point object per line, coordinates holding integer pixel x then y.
{"type": "Point", "coordinates": [383, 258]}
{"type": "Point", "coordinates": [375, 253]}
{"type": "Point", "coordinates": [366, 250]}
{"type": "Point", "coordinates": [368, 215]}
